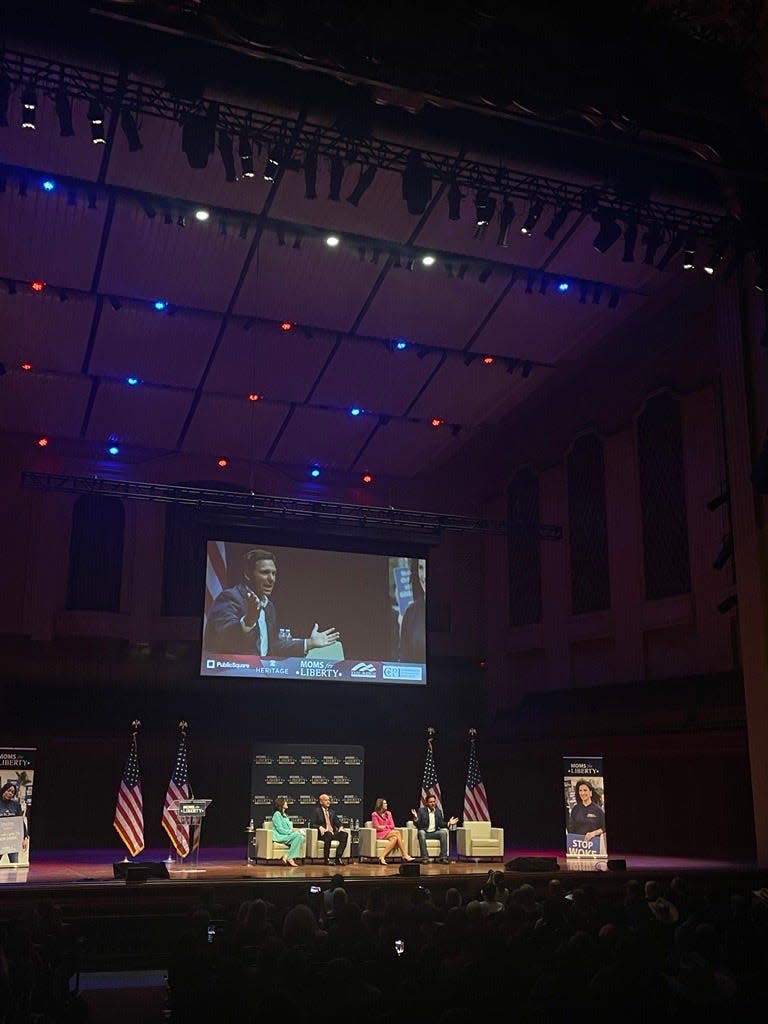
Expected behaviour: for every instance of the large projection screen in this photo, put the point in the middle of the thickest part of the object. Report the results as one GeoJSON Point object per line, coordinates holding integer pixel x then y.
{"type": "Point", "coordinates": [272, 617]}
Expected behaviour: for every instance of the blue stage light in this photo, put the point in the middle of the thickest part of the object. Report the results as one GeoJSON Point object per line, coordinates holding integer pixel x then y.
{"type": "Point", "coordinates": [49, 185]}
{"type": "Point", "coordinates": [355, 410]}
{"type": "Point", "coordinates": [314, 472]}
{"type": "Point", "coordinates": [401, 344]}
{"type": "Point", "coordinates": [113, 449]}
{"type": "Point", "coordinates": [563, 286]}
{"type": "Point", "coordinates": [161, 304]}
{"type": "Point", "coordinates": [133, 381]}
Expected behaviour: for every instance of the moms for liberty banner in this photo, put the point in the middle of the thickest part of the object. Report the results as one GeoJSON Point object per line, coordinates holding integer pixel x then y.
{"type": "Point", "coordinates": [301, 772]}
{"type": "Point", "coordinates": [584, 794]}
{"type": "Point", "coordinates": [17, 776]}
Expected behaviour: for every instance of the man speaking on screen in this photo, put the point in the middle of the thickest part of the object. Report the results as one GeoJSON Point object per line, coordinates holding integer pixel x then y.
{"type": "Point", "coordinates": [243, 620]}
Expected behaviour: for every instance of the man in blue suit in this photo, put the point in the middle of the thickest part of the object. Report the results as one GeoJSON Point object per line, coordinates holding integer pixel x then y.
{"type": "Point", "coordinates": [243, 620]}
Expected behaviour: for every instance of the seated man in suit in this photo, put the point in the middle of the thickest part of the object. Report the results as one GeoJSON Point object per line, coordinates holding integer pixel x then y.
{"type": "Point", "coordinates": [432, 825]}
{"type": "Point", "coordinates": [328, 824]}
{"type": "Point", "coordinates": [243, 620]}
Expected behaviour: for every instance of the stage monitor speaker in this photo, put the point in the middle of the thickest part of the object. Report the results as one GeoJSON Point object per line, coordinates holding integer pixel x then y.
{"type": "Point", "coordinates": [616, 865]}
{"type": "Point", "coordinates": [533, 864]}
{"type": "Point", "coordinates": [140, 871]}
{"type": "Point", "coordinates": [409, 868]}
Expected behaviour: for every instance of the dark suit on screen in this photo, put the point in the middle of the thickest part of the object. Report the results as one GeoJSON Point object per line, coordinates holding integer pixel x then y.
{"type": "Point", "coordinates": [224, 632]}
{"type": "Point", "coordinates": [413, 635]}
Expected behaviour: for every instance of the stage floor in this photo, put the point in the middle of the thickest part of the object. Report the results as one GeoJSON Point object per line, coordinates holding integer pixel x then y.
{"type": "Point", "coordinates": [62, 868]}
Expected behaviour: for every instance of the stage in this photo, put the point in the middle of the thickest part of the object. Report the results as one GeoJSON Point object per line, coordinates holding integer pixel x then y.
{"type": "Point", "coordinates": [61, 871]}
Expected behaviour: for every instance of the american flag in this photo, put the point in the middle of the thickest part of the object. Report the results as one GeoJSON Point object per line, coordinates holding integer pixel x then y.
{"type": "Point", "coordinates": [475, 798]}
{"type": "Point", "coordinates": [178, 789]}
{"type": "Point", "coordinates": [129, 809]}
{"type": "Point", "coordinates": [215, 572]}
{"type": "Point", "coordinates": [429, 783]}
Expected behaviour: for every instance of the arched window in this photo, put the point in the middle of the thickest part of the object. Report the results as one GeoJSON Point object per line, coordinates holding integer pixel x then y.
{"type": "Point", "coordinates": [524, 549]}
{"type": "Point", "coordinates": [96, 554]}
{"type": "Point", "coordinates": [587, 526]}
{"type": "Point", "coordinates": [662, 499]}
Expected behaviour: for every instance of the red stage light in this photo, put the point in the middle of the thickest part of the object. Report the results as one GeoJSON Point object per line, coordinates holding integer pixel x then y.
{"type": "Point", "coordinates": [222, 463]}
{"type": "Point", "coordinates": [367, 478]}
{"type": "Point", "coordinates": [286, 325]}
{"type": "Point", "coordinates": [38, 286]}
{"type": "Point", "coordinates": [488, 360]}
{"type": "Point", "coordinates": [42, 441]}
{"type": "Point", "coordinates": [26, 366]}
{"type": "Point", "coordinates": [436, 421]}
{"type": "Point", "coordinates": [253, 397]}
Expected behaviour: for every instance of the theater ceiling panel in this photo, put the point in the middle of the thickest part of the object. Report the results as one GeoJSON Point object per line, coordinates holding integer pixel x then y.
{"type": "Point", "coordinates": [43, 331]}
{"type": "Point", "coordinates": [145, 417]}
{"type": "Point", "coordinates": [233, 428]}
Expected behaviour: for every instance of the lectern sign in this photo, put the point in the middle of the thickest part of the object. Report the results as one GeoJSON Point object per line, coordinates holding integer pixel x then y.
{"type": "Point", "coordinates": [192, 808]}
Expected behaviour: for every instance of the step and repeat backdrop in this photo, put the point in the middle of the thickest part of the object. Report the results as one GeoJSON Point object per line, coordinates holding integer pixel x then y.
{"type": "Point", "coordinates": [301, 772]}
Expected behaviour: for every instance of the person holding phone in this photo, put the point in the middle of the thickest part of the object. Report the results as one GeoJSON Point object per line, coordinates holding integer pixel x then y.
{"type": "Point", "coordinates": [384, 823]}
{"type": "Point", "coordinates": [243, 618]}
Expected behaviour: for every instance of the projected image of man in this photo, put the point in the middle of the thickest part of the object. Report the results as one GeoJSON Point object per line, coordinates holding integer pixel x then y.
{"type": "Point", "coordinates": [243, 619]}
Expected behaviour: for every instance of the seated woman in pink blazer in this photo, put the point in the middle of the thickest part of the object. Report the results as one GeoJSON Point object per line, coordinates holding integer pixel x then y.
{"type": "Point", "coordinates": [383, 822]}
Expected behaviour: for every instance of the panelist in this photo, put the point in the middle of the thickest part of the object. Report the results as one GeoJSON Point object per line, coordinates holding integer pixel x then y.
{"type": "Point", "coordinates": [328, 825]}
{"type": "Point", "coordinates": [430, 824]}
{"type": "Point", "coordinates": [413, 629]}
{"type": "Point", "coordinates": [243, 619]}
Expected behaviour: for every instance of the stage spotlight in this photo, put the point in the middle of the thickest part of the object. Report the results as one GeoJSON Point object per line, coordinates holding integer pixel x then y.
{"type": "Point", "coordinates": [454, 201]}
{"type": "Point", "coordinates": [29, 108]}
{"type": "Point", "coordinates": [130, 130]}
{"type": "Point", "coordinates": [428, 261]}
{"type": "Point", "coordinates": [417, 183]}
{"type": "Point", "coordinates": [608, 234]}
{"type": "Point", "coordinates": [715, 260]}
{"type": "Point", "coordinates": [310, 174]}
{"type": "Point", "coordinates": [198, 137]}
{"type": "Point", "coordinates": [506, 217]}
{"type": "Point", "coordinates": [535, 211]}
{"type": "Point", "coordinates": [245, 152]}
{"type": "Point", "coordinates": [674, 247]}
{"type": "Point", "coordinates": [337, 177]}
{"type": "Point", "coordinates": [227, 155]}
{"type": "Point", "coordinates": [63, 109]}
{"type": "Point", "coordinates": [96, 117]}
{"type": "Point", "coordinates": [272, 166]}
{"type": "Point", "coordinates": [630, 240]}
{"type": "Point", "coordinates": [559, 218]}
{"type": "Point", "coordinates": [689, 252]}
{"type": "Point", "coordinates": [332, 241]}
{"type": "Point", "coordinates": [653, 239]}
{"type": "Point", "coordinates": [727, 604]}
{"type": "Point", "coordinates": [364, 182]}
{"type": "Point", "coordinates": [485, 207]}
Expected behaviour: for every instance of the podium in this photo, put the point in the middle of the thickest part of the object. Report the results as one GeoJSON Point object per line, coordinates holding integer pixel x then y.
{"type": "Point", "coordinates": [191, 813]}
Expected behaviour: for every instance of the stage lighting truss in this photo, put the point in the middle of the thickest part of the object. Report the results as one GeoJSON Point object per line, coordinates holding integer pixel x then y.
{"type": "Point", "coordinates": [299, 138]}
{"type": "Point", "coordinates": [253, 505]}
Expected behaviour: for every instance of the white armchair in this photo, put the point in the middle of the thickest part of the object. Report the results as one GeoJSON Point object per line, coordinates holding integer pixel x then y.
{"type": "Point", "coordinates": [478, 840]}
{"type": "Point", "coordinates": [433, 845]}
{"type": "Point", "coordinates": [315, 850]}
{"type": "Point", "coordinates": [372, 848]}
{"type": "Point", "coordinates": [266, 849]}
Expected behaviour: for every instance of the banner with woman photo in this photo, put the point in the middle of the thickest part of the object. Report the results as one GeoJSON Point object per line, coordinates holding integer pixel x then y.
{"type": "Point", "coordinates": [16, 778]}
{"type": "Point", "coordinates": [584, 793]}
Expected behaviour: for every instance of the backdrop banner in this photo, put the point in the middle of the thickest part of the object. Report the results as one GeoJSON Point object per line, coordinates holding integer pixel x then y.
{"type": "Point", "coordinates": [301, 772]}
{"type": "Point", "coordinates": [584, 792]}
{"type": "Point", "coordinates": [17, 774]}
